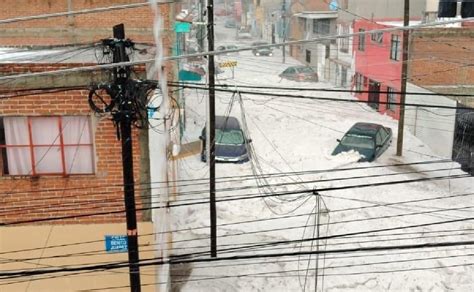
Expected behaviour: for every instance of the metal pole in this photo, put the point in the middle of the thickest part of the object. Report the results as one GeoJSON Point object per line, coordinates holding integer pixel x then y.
{"type": "Point", "coordinates": [200, 32]}
{"type": "Point", "coordinates": [212, 130]}
{"type": "Point", "coordinates": [403, 89]}
{"type": "Point", "coordinates": [283, 8]}
{"type": "Point", "coordinates": [125, 123]}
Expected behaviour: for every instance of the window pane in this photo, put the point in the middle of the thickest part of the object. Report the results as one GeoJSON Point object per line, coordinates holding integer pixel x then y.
{"type": "Point", "coordinates": [48, 160]}
{"type": "Point", "coordinates": [19, 161]}
{"type": "Point", "coordinates": [16, 131]}
{"type": "Point", "coordinates": [45, 130]}
{"type": "Point", "coordinates": [76, 130]}
{"type": "Point", "coordinates": [79, 159]}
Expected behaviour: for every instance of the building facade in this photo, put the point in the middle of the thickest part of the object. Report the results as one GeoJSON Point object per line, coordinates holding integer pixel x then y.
{"type": "Point", "coordinates": [61, 164]}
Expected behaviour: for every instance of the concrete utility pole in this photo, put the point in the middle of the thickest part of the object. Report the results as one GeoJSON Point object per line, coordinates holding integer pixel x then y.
{"type": "Point", "coordinates": [212, 129]}
{"type": "Point", "coordinates": [403, 89]}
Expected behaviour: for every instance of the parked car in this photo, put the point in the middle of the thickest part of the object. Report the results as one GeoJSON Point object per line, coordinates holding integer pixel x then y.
{"type": "Point", "coordinates": [228, 47]}
{"type": "Point", "coordinates": [244, 34]}
{"type": "Point", "coordinates": [262, 51]}
{"type": "Point", "coordinates": [300, 73]}
{"type": "Point", "coordinates": [231, 143]}
{"type": "Point", "coordinates": [370, 140]}
{"type": "Point", "coordinates": [230, 23]}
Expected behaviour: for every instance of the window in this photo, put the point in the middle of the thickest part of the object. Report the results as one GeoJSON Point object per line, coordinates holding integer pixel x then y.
{"type": "Point", "coordinates": [46, 145]}
{"type": "Point", "coordinates": [395, 47]}
{"type": "Point", "coordinates": [321, 26]}
{"type": "Point", "coordinates": [361, 45]}
{"type": "Point", "coordinates": [344, 42]}
{"type": "Point", "coordinates": [378, 138]}
{"type": "Point", "coordinates": [308, 56]}
{"type": "Point", "coordinates": [359, 82]}
{"type": "Point", "coordinates": [391, 99]}
{"type": "Point", "coordinates": [377, 37]}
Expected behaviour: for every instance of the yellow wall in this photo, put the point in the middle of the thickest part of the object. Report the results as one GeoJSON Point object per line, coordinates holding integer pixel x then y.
{"type": "Point", "coordinates": [36, 237]}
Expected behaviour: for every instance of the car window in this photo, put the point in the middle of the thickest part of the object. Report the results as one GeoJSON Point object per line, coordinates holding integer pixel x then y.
{"type": "Point", "coordinates": [358, 141]}
{"type": "Point", "coordinates": [305, 70]}
{"type": "Point", "coordinates": [378, 138]}
{"type": "Point", "coordinates": [232, 47]}
{"type": "Point", "coordinates": [229, 137]}
{"type": "Point", "coordinates": [384, 133]}
{"type": "Point", "coordinates": [221, 48]}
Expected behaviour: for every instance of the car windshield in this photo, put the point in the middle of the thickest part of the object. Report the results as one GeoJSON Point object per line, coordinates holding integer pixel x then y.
{"type": "Point", "coordinates": [305, 70]}
{"type": "Point", "coordinates": [229, 137]}
{"type": "Point", "coordinates": [358, 141]}
{"type": "Point", "coordinates": [231, 47]}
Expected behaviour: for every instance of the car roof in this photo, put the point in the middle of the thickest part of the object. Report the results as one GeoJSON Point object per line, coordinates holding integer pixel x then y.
{"type": "Point", "coordinates": [298, 67]}
{"type": "Point", "coordinates": [223, 122]}
{"type": "Point", "coordinates": [366, 129]}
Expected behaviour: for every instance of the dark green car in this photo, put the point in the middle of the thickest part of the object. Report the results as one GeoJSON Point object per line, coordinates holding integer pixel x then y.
{"type": "Point", "coordinates": [370, 140]}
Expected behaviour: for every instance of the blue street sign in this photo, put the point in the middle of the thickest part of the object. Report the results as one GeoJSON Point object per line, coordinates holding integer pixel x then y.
{"type": "Point", "coordinates": [116, 243]}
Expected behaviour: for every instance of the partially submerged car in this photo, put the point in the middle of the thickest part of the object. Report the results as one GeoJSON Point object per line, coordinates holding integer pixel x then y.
{"type": "Point", "coordinates": [300, 73]}
{"type": "Point", "coordinates": [231, 143]}
{"type": "Point", "coordinates": [262, 51]}
{"type": "Point", "coordinates": [228, 47]}
{"type": "Point", "coordinates": [369, 139]}
{"type": "Point", "coordinates": [230, 23]}
{"type": "Point", "coordinates": [244, 34]}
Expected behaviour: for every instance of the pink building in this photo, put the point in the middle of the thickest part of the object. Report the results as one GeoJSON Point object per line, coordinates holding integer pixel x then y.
{"type": "Point", "coordinates": [378, 64]}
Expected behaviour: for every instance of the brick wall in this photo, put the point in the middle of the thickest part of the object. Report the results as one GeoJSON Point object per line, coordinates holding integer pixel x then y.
{"type": "Point", "coordinates": [25, 198]}
{"type": "Point", "coordinates": [442, 56]}
{"type": "Point", "coordinates": [80, 28]}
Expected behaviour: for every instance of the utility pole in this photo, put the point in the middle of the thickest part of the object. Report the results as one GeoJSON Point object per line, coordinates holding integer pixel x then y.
{"type": "Point", "coordinates": [200, 31]}
{"type": "Point", "coordinates": [212, 129]}
{"type": "Point", "coordinates": [283, 16]}
{"type": "Point", "coordinates": [123, 93]}
{"type": "Point", "coordinates": [403, 89]}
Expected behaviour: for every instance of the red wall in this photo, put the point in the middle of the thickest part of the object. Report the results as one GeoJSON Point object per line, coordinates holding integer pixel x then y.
{"type": "Point", "coordinates": [375, 63]}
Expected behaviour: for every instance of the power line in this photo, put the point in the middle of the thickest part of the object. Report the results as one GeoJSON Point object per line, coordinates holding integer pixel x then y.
{"type": "Point", "coordinates": [261, 93]}
{"type": "Point", "coordinates": [312, 89]}
{"type": "Point", "coordinates": [195, 182]}
{"type": "Point", "coordinates": [234, 198]}
{"type": "Point", "coordinates": [270, 219]}
{"type": "Point", "coordinates": [181, 260]}
{"type": "Point", "coordinates": [131, 63]}
{"type": "Point", "coordinates": [79, 12]}
{"type": "Point", "coordinates": [262, 275]}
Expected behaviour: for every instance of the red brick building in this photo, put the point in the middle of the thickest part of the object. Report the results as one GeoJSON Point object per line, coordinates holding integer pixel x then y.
{"type": "Point", "coordinates": [58, 158]}
{"type": "Point", "coordinates": [63, 154]}
{"type": "Point", "coordinates": [78, 28]}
